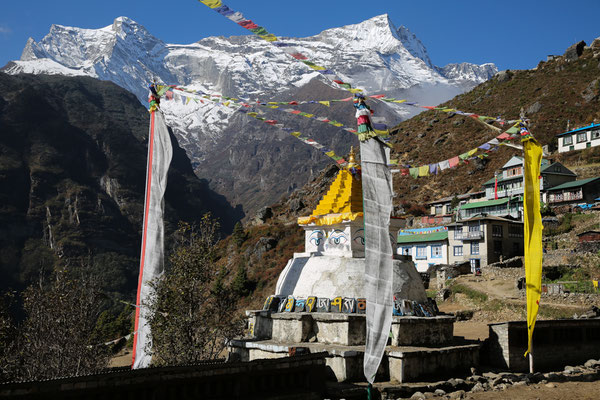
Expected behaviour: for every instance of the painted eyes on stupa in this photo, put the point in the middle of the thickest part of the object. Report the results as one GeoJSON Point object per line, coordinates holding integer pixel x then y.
{"type": "Point", "coordinates": [338, 237]}
{"type": "Point", "coordinates": [359, 237]}
{"type": "Point", "coordinates": [316, 238]}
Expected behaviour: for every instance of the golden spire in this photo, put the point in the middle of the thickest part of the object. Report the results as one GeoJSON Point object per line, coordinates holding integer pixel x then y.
{"type": "Point", "coordinates": [351, 159]}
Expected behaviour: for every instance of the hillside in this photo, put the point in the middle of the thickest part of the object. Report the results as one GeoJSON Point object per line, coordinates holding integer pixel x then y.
{"type": "Point", "coordinates": [552, 94]}
{"type": "Point", "coordinates": [72, 175]}
{"type": "Point", "coordinates": [555, 92]}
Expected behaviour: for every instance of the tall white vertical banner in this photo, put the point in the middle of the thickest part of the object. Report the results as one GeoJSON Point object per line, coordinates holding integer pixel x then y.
{"type": "Point", "coordinates": [160, 153]}
{"type": "Point", "coordinates": [377, 207]}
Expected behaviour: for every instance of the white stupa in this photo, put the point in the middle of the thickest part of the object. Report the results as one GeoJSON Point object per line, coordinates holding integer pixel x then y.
{"type": "Point", "coordinates": [333, 263]}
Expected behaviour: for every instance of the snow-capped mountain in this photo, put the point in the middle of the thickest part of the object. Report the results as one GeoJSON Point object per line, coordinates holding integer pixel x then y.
{"type": "Point", "coordinates": [373, 55]}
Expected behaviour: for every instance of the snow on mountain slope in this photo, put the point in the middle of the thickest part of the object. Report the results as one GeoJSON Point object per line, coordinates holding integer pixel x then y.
{"type": "Point", "coordinates": [373, 55]}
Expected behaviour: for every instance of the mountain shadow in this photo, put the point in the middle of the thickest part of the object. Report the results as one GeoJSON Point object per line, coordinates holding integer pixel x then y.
{"type": "Point", "coordinates": [72, 176]}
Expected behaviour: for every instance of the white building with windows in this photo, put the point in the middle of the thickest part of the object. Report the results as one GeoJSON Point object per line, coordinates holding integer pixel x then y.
{"type": "Point", "coordinates": [484, 240]}
{"type": "Point", "coordinates": [426, 249]}
{"type": "Point", "coordinates": [579, 139]}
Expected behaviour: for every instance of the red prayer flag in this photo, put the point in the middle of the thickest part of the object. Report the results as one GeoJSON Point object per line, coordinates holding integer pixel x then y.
{"type": "Point", "coordinates": [299, 56]}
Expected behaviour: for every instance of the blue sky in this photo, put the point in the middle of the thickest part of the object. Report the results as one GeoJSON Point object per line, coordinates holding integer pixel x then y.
{"type": "Point", "coordinates": [512, 34]}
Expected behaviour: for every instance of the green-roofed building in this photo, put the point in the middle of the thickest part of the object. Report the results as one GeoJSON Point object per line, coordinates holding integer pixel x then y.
{"type": "Point", "coordinates": [581, 191]}
{"type": "Point", "coordinates": [426, 249]}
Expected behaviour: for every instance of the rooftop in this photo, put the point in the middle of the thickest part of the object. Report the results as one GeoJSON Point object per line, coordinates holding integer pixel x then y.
{"type": "Point", "coordinates": [580, 129]}
{"type": "Point", "coordinates": [485, 218]}
{"type": "Point", "coordinates": [428, 237]}
{"type": "Point", "coordinates": [573, 184]}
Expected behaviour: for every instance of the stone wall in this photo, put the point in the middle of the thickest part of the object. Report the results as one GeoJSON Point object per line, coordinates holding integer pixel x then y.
{"type": "Point", "coordinates": [556, 343]}
{"type": "Point", "coordinates": [293, 378]}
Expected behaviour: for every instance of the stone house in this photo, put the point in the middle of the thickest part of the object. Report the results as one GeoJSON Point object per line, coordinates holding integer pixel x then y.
{"type": "Point", "coordinates": [484, 240]}
{"type": "Point", "coordinates": [581, 191]}
{"type": "Point", "coordinates": [425, 249]}
{"type": "Point", "coordinates": [579, 139]}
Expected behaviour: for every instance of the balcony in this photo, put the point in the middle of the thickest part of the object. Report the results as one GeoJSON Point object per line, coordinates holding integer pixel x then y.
{"type": "Point", "coordinates": [471, 235]}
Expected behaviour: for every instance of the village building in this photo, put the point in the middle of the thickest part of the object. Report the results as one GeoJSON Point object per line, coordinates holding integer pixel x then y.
{"type": "Point", "coordinates": [426, 249]}
{"type": "Point", "coordinates": [579, 139]}
{"type": "Point", "coordinates": [589, 236]}
{"type": "Point", "coordinates": [484, 240]}
{"type": "Point", "coordinates": [581, 191]}
{"type": "Point", "coordinates": [442, 212]}
{"type": "Point", "coordinates": [504, 192]}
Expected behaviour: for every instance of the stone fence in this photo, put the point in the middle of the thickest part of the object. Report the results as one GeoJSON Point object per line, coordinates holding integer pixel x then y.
{"type": "Point", "coordinates": [297, 377]}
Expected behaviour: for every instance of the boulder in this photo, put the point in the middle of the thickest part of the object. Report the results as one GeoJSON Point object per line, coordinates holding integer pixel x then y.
{"type": "Point", "coordinates": [535, 107]}
{"type": "Point", "coordinates": [575, 51]}
{"type": "Point", "coordinates": [503, 76]}
{"type": "Point", "coordinates": [263, 215]}
{"type": "Point", "coordinates": [263, 245]}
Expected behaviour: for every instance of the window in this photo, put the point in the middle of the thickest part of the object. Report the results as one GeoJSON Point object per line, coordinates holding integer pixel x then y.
{"type": "Point", "coordinates": [516, 171]}
{"type": "Point", "coordinates": [436, 251]}
{"type": "Point", "coordinates": [458, 250]}
{"type": "Point", "coordinates": [407, 251]}
{"type": "Point", "coordinates": [449, 209]}
{"type": "Point", "coordinates": [567, 140]}
{"type": "Point", "coordinates": [497, 230]}
{"type": "Point", "coordinates": [516, 249]}
{"type": "Point", "coordinates": [421, 253]}
{"type": "Point", "coordinates": [438, 209]}
{"type": "Point", "coordinates": [474, 228]}
{"type": "Point", "coordinates": [474, 248]}
{"type": "Point", "coordinates": [498, 246]}
{"type": "Point", "coordinates": [595, 134]}
{"type": "Point", "coordinates": [581, 137]}
{"type": "Point", "coordinates": [516, 231]}
{"type": "Point", "coordinates": [458, 233]}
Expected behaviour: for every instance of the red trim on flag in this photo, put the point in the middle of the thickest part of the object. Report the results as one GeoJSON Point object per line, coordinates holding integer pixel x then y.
{"type": "Point", "coordinates": [144, 234]}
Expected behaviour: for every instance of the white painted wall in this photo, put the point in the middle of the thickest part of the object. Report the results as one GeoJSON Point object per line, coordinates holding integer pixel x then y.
{"type": "Point", "coordinates": [422, 264]}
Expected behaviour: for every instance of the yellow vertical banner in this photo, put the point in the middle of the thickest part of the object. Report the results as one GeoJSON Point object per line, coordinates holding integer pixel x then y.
{"type": "Point", "coordinates": [532, 233]}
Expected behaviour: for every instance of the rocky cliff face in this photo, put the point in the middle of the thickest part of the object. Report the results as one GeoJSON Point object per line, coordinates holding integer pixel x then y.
{"type": "Point", "coordinates": [72, 175]}
{"type": "Point", "coordinates": [373, 54]}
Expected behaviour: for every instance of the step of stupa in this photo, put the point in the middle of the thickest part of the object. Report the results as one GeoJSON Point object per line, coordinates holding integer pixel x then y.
{"type": "Point", "coordinates": [400, 363]}
{"type": "Point", "coordinates": [346, 329]}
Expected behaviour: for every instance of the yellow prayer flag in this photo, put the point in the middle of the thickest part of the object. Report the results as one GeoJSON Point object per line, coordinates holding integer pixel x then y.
{"type": "Point", "coordinates": [424, 170]}
{"type": "Point", "coordinates": [533, 233]}
{"type": "Point", "coordinates": [398, 101]}
{"type": "Point", "coordinates": [325, 103]}
{"type": "Point", "coordinates": [297, 134]}
{"type": "Point", "coordinates": [355, 90]}
{"type": "Point", "coordinates": [330, 153]}
{"type": "Point", "coordinates": [273, 102]}
{"type": "Point", "coordinates": [187, 100]}
{"type": "Point", "coordinates": [226, 104]}
{"type": "Point", "coordinates": [471, 152]}
{"type": "Point", "coordinates": [337, 124]}
{"type": "Point", "coordinates": [212, 3]}
{"type": "Point", "coordinates": [252, 114]}
{"type": "Point", "coordinates": [308, 115]}
{"type": "Point", "coordinates": [317, 67]}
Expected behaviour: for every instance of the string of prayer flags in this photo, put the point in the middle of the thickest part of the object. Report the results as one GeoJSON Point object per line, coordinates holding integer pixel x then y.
{"type": "Point", "coordinates": [243, 108]}
{"type": "Point", "coordinates": [238, 18]}
{"type": "Point", "coordinates": [435, 168]}
{"type": "Point", "coordinates": [380, 129]}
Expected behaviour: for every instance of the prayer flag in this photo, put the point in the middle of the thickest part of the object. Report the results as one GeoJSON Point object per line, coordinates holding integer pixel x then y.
{"type": "Point", "coordinates": [533, 233]}
{"type": "Point", "coordinates": [424, 170]}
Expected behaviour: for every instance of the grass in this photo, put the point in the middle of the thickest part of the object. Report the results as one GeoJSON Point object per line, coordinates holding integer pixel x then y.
{"type": "Point", "coordinates": [472, 294]}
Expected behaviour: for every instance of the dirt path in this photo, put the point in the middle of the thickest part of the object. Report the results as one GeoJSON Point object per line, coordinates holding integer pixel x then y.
{"type": "Point", "coordinates": [552, 391]}
{"type": "Point", "coordinates": [505, 290]}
